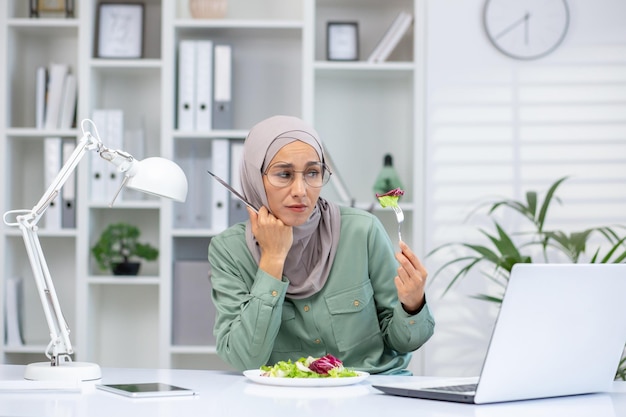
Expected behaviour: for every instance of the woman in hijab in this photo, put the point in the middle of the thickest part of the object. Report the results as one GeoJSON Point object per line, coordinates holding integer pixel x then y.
{"type": "Point", "coordinates": [305, 277]}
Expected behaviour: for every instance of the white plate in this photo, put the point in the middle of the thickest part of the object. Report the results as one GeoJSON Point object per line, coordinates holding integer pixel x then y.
{"type": "Point", "coordinates": [255, 375]}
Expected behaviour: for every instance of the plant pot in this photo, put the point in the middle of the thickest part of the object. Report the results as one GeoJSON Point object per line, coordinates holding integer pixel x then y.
{"type": "Point", "coordinates": [126, 268]}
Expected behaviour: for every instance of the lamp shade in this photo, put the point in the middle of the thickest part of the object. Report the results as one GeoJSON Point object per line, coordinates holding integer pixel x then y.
{"type": "Point", "coordinates": [160, 177]}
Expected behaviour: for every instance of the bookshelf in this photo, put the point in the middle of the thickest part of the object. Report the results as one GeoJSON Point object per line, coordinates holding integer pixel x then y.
{"type": "Point", "coordinates": [279, 67]}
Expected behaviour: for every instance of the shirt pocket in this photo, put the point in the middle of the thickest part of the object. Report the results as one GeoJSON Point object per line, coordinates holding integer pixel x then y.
{"type": "Point", "coordinates": [353, 316]}
{"type": "Point", "coordinates": [286, 341]}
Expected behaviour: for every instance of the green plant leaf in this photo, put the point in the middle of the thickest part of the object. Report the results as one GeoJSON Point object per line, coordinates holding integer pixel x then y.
{"type": "Point", "coordinates": [540, 220]}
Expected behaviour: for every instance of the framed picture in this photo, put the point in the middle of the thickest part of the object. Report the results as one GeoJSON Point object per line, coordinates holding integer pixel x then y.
{"type": "Point", "coordinates": [40, 8]}
{"type": "Point", "coordinates": [342, 41]}
{"type": "Point", "coordinates": [120, 30]}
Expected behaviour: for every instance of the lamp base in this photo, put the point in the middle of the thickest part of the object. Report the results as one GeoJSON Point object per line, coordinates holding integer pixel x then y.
{"type": "Point", "coordinates": [68, 371]}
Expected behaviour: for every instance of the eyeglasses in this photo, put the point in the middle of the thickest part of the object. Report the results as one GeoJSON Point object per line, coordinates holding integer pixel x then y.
{"type": "Point", "coordinates": [282, 174]}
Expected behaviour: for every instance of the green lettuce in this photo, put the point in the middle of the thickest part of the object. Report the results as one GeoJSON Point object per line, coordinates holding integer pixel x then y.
{"type": "Point", "coordinates": [309, 368]}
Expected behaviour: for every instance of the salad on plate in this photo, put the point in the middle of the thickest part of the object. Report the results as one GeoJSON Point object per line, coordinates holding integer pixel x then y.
{"type": "Point", "coordinates": [327, 366]}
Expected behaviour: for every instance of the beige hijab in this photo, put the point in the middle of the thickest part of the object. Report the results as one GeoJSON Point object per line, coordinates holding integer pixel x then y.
{"type": "Point", "coordinates": [314, 243]}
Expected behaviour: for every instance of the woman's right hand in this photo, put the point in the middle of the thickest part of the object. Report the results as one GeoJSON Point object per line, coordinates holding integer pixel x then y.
{"type": "Point", "coordinates": [275, 239]}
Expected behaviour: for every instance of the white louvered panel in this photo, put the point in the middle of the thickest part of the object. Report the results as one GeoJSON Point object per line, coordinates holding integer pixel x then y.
{"type": "Point", "coordinates": [496, 128]}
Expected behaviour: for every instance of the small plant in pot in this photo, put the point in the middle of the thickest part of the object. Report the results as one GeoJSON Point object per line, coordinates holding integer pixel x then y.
{"type": "Point", "coordinates": [118, 245]}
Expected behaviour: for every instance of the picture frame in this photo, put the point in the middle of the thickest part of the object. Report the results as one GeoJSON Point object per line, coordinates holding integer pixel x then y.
{"type": "Point", "coordinates": [120, 30]}
{"type": "Point", "coordinates": [342, 41]}
{"type": "Point", "coordinates": [44, 8]}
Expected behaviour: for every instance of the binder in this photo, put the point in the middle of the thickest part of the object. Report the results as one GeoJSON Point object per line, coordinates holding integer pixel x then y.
{"type": "Point", "coordinates": [13, 312]}
{"type": "Point", "coordinates": [236, 208]}
{"type": "Point", "coordinates": [186, 85]}
{"type": "Point", "coordinates": [222, 88]}
{"type": "Point", "coordinates": [41, 81]}
{"type": "Point", "coordinates": [57, 73]}
{"type": "Point", "coordinates": [182, 211]}
{"type": "Point", "coordinates": [68, 193]}
{"type": "Point", "coordinates": [134, 144]}
{"type": "Point", "coordinates": [220, 195]}
{"type": "Point", "coordinates": [193, 315]}
{"type": "Point", "coordinates": [204, 85]}
{"type": "Point", "coordinates": [68, 104]}
{"type": "Point", "coordinates": [203, 191]}
{"type": "Point", "coordinates": [114, 139]}
{"type": "Point", "coordinates": [97, 166]}
{"type": "Point", "coordinates": [52, 166]}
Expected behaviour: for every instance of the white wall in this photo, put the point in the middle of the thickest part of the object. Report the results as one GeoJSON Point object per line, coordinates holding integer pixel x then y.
{"type": "Point", "coordinates": [499, 127]}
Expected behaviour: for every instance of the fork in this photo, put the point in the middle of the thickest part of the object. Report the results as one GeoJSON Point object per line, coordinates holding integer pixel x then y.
{"type": "Point", "coordinates": [400, 219]}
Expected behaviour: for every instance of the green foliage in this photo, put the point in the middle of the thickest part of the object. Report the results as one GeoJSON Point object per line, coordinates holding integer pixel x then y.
{"type": "Point", "coordinates": [118, 243]}
{"type": "Point", "coordinates": [496, 257]}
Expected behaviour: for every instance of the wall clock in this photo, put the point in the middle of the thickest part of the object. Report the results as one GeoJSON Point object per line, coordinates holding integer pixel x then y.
{"type": "Point", "coordinates": [526, 29]}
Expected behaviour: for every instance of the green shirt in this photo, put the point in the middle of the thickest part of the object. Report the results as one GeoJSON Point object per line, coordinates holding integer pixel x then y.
{"type": "Point", "coordinates": [356, 316]}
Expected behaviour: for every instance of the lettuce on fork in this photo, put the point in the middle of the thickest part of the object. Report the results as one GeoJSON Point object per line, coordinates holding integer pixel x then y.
{"type": "Point", "coordinates": [327, 366]}
{"type": "Point", "coordinates": [390, 198]}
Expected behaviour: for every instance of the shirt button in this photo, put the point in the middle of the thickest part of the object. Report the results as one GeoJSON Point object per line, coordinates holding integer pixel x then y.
{"type": "Point", "coordinates": [411, 321]}
{"type": "Point", "coordinates": [317, 341]}
{"type": "Point", "coordinates": [274, 293]}
{"type": "Point", "coordinates": [356, 303]}
{"type": "Point", "coordinates": [307, 308]}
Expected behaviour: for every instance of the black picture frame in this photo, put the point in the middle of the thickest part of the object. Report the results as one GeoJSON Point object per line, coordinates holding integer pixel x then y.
{"type": "Point", "coordinates": [120, 30]}
{"type": "Point", "coordinates": [342, 41]}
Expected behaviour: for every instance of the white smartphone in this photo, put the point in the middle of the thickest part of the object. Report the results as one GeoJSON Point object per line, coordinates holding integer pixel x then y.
{"type": "Point", "coordinates": [146, 389]}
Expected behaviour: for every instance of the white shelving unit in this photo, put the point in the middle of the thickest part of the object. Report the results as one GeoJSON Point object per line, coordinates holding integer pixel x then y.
{"type": "Point", "coordinates": [361, 110]}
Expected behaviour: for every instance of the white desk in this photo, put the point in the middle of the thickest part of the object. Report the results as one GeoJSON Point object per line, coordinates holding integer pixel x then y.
{"type": "Point", "coordinates": [231, 394]}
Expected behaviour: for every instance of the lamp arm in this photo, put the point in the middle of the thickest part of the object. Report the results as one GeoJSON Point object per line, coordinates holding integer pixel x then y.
{"type": "Point", "coordinates": [60, 346]}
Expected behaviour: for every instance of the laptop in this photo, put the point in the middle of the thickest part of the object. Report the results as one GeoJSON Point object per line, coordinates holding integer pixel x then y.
{"type": "Point", "coordinates": [560, 331]}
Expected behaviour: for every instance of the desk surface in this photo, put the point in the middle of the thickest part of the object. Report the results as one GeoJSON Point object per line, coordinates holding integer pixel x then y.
{"type": "Point", "coordinates": [232, 394]}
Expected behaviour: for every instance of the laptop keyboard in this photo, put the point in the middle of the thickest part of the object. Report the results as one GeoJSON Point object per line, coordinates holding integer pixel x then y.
{"type": "Point", "coordinates": [456, 388]}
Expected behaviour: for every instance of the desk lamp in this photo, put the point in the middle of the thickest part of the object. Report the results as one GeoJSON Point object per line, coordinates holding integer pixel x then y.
{"type": "Point", "coordinates": [156, 176]}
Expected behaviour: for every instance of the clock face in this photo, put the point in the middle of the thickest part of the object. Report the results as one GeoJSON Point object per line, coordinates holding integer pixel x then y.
{"type": "Point", "coordinates": [526, 29]}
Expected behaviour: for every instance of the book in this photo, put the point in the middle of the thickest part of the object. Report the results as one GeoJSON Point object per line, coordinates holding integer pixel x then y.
{"type": "Point", "coordinates": [391, 38]}
{"type": "Point", "coordinates": [68, 103]}
{"type": "Point", "coordinates": [56, 83]}
{"type": "Point", "coordinates": [41, 83]}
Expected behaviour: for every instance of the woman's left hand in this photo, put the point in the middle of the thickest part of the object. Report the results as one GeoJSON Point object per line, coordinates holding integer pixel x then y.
{"type": "Point", "coordinates": [411, 280]}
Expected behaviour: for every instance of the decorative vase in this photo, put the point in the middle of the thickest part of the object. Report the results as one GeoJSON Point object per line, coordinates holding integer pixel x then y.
{"type": "Point", "coordinates": [126, 268]}
{"type": "Point", "coordinates": [388, 178]}
{"type": "Point", "coordinates": [208, 9]}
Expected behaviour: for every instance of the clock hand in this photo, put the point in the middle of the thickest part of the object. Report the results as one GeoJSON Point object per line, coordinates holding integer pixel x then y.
{"type": "Point", "coordinates": [526, 27]}
{"type": "Point", "coordinates": [524, 19]}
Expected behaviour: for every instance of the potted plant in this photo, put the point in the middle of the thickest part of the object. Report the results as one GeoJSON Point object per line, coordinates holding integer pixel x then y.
{"type": "Point", "coordinates": [118, 245]}
{"type": "Point", "coordinates": [495, 258]}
